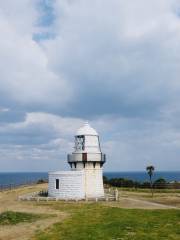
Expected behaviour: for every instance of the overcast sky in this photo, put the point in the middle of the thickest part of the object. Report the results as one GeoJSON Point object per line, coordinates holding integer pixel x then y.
{"type": "Point", "coordinates": [115, 63]}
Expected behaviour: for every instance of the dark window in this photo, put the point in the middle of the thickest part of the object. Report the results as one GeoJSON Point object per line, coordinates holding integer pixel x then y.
{"type": "Point", "coordinates": [57, 183]}
{"type": "Point", "coordinates": [84, 156]}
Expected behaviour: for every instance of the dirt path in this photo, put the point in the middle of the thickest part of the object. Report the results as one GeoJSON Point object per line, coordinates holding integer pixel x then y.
{"type": "Point", "coordinates": [140, 200]}
{"type": "Point", "coordinates": [145, 204]}
{"type": "Point", "coordinates": [132, 203]}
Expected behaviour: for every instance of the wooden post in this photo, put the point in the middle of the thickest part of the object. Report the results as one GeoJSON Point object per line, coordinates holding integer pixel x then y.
{"type": "Point", "coordinates": [116, 194]}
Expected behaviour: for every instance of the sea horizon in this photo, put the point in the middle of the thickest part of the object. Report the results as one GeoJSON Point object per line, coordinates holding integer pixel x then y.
{"type": "Point", "coordinates": [20, 178]}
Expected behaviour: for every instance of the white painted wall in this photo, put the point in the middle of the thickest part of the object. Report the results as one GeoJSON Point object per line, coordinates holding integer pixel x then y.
{"type": "Point", "coordinates": [93, 182]}
{"type": "Point", "coordinates": [77, 184]}
{"type": "Point", "coordinates": [71, 185]}
{"type": "Point", "coordinates": [92, 144]}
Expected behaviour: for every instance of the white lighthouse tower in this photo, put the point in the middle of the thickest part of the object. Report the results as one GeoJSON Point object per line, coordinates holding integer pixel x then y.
{"type": "Point", "coordinates": [85, 180]}
{"type": "Point", "coordinates": [87, 156]}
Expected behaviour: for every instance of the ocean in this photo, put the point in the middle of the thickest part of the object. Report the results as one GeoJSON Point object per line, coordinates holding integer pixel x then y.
{"type": "Point", "coordinates": [19, 178]}
{"type": "Point", "coordinates": [143, 176]}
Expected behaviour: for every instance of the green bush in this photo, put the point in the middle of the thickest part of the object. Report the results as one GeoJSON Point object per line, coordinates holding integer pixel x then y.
{"type": "Point", "coordinates": [42, 181]}
{"type": "Point", "coordinates": [160, 183]}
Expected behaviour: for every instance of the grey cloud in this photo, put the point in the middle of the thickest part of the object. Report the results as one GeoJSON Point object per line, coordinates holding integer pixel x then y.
{"type": "Point", "coordinates": [117, 63]}
{"type": "Point", "coordinates": [40, 142]}
{"type": "Point", "coordinates": [114, 62]}
{"type": "Point", "coordinates": [11, 116]}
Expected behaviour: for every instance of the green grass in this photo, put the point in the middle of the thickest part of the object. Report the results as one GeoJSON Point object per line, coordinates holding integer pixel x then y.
{"type": "Point", "coordinates": [12, 218]}
{"type": "Point", "coordinates": [97, 222]}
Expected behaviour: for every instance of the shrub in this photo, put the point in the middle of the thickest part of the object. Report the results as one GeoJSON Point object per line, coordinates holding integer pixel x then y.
{"type": "Point", "coordinates": [160, 183]}
{"type": "Point", "coordinates": [42, 181]}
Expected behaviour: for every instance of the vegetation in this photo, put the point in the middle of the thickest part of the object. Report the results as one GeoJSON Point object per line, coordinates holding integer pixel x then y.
{"type": "Point", "coordinates": [43, 193]}
{"type": "Point", "coordinates": [121, 182]}
{"type": "Point", "coordinates": [11, 218]}
{"type": "Point", "coordinates": [40, 181]}
{"type": "Point", "coordinates": [160, 183]}
{"type": "Point", "coordinates": [94, 221]}
{"type": "Point", "coordinates": [150, 171]}
{"type": "Point", "coordinates": [86, 220]}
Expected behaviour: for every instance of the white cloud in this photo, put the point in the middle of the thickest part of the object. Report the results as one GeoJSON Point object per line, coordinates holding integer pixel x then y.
{"type": "Point", "coordinates": [43, 141]}
{"type": "Point", "coordinates": [19, 15]}
{"type": "Point", "coordinates": [117, 53]}
{"type": "Point", "coordinates": [24, 74]}
{"type": "Point", "coordinates": [59, 125]}
{"type": "Point", "coordinates": [116, 62]}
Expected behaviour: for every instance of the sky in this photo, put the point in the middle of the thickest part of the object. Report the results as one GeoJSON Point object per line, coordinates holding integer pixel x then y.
{"type": "Point", "coordinates": [114, 63]}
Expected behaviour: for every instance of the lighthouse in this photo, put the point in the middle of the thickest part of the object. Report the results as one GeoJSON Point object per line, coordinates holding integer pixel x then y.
{"type": "Point", "coordinates": [87, 156]}
{"type": "Point", "coordinates": [85, 180]}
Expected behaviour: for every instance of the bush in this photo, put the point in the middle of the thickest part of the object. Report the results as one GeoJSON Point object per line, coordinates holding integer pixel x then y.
{"type": "Point", "coordinates": [105, 180]}
{"type": "Point", "coordinates": [145, 185]}
{"type": "Point", "coordinates": [43, 194]}
{"type": "Point", "coordinates": [40, 181]}
{"type": "Point", "coordinates": [160, 183]}
{"type": "Point", "coordinates": [122, 182]}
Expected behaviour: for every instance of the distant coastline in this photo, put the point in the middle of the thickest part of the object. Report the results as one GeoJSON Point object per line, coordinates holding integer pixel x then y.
{"type": "Point", "coordinates": [19, 178]}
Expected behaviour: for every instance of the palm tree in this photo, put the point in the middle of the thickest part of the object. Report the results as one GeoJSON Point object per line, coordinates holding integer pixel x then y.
{"type": "Point", "coordinates": [150, 171]}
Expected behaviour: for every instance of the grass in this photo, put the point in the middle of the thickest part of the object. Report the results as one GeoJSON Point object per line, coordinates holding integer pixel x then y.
{"type": "Point", "coordinates": [12, 218]}
{"type": "Point", "coordinates": [94, 221]}
{"type": "Point", "coordinates": [147, 190]}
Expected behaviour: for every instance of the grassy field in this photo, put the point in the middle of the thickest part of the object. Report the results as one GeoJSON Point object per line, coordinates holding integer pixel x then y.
{"type": "Point", "coordinates": [95, 221]}
{"type": "Point", "coordinates": [136, 216]}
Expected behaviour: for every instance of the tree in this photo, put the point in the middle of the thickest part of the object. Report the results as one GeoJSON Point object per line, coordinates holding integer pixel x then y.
{"type": "Point", "coordinates": [105, 180]}
{"type": "Point", "coordinates": [150, 171]}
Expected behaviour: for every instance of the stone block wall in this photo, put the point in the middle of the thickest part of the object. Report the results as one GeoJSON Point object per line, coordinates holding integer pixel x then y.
{"type": "Point", "coordinates": [71, 185]}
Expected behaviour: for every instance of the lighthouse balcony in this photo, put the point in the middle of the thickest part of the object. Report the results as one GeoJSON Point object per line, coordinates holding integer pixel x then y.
{"type": "Point", "coordinates": [89, 157]}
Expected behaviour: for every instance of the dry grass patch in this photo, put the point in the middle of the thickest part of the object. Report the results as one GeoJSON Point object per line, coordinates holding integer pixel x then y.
{"type": "Point", "coordinates": [25, 230]}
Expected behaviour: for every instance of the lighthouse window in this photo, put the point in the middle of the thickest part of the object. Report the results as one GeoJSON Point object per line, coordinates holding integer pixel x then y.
{"type": "Point", "coordinates": [57, 183]}
{"type": "Point", "coordinates": [80, 142]}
